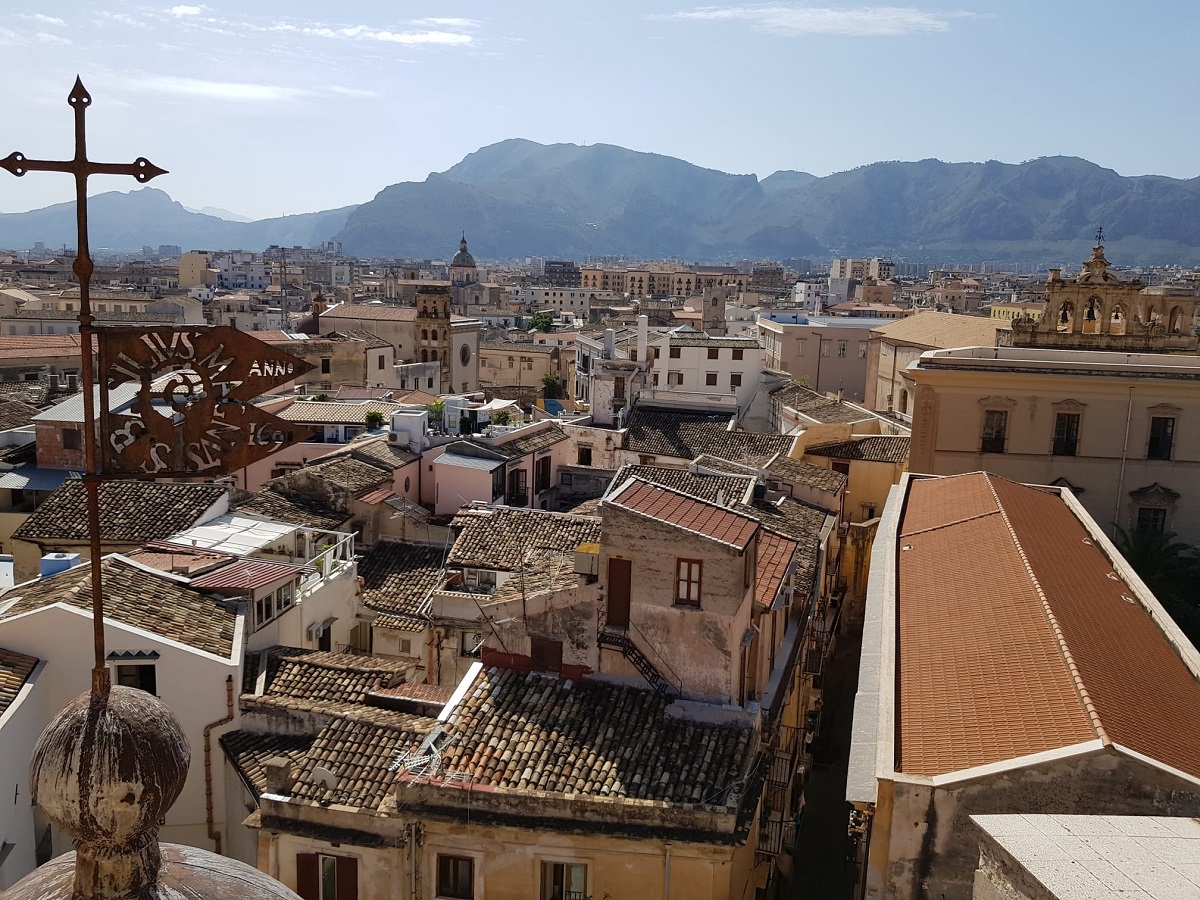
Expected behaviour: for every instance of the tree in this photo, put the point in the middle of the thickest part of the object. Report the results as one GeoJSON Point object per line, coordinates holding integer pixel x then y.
{"type": "Point", "coordinates": [374, 421]}
{"type": "Point", "coordinates": [437, 410]}
{"type": "Point", "coordinates": [1169, 568]}
{"type": "Point", "coordinates": [551, 388]}
{"type": "Point", "coordinates": [501, 418]}
{"type": "Point", "coordinates": [542, 321]}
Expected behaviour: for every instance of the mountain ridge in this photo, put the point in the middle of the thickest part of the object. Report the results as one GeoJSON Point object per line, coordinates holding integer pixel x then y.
{"type": "Point", "coordinates": [520, 198]}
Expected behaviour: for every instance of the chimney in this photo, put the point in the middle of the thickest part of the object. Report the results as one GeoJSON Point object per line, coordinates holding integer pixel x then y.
{"type": "Point", "coordinates": [610, 343]}
{"type": "Point", "coordinates": [643, 336]}
{"type": "Point", "coordinates": [279, 775]}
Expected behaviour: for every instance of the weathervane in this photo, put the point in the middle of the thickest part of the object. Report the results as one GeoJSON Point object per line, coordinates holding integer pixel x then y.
{"type": "Point", "coordinates": [198, 421]}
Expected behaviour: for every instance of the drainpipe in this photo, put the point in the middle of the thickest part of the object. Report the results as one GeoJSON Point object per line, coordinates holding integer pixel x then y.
{"type": "Point", "coordinates": [667, 871]}
{"type": "Point", "coordinates": [1124, 454]}
{"type": "Point", "coordinates": [213, 834]}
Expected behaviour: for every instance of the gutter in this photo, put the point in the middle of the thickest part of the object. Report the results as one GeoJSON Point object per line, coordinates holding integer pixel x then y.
{"type": "Point", "coordinates": [213, 834]}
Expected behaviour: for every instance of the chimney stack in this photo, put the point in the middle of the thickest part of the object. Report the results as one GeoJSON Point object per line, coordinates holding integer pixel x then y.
{"type": "Point", "coordinates": [643, 337]}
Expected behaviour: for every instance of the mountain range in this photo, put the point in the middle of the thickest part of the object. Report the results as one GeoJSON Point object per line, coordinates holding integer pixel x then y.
{"type": "Point", "coordinates": [519, 198]}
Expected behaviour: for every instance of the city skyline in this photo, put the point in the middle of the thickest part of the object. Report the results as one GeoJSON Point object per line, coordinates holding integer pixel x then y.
{"type": "Point", "coordinates": [267, 115]}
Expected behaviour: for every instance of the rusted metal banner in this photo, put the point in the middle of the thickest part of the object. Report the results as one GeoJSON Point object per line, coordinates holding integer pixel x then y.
{"type": "Point", "coordinates": [191, 413]}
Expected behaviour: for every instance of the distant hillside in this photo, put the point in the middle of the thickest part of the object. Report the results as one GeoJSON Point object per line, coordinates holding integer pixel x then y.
{"type": "Point", "coordinates": [519, 198]}
{"type": "Point", "coordinates": [149, 217]}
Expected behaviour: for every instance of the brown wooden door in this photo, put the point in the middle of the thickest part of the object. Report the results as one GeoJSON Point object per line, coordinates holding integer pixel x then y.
{"type": "Point", "coordinates": [619, 574]}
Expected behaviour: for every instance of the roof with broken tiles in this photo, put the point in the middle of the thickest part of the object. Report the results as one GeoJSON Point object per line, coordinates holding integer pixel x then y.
{"type": "Point", "coordinates": [523, 733]}
{"type": "Point", "coordinates": [398, 577]}
{"type": "Point", "coordinates": [529, 443]}
{"type": "Point", "coordinates": [351, 474]}
{"type": "Point", "coordinates": [136, 597]}
{"type": "Point", "coordinates": [817, 407]}
{"type": "Point", "coordinates": [273, 503]}
{"type": "Point", "coordinates": [499, 537]}
{"type": "Point", "coordinates": [686, 434]}
{"type": "Point", "coordinates": [131, 512]}
{"type": "Point", "coordinates": [730, 488]}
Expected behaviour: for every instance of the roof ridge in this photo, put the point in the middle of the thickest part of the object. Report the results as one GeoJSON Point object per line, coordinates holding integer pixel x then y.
{"type": "Point", "coordinates": [1085, 697]}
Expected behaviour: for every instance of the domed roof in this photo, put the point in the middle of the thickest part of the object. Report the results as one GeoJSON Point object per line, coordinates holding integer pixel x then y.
{"type": "Point", "coordinates": [463, 259]}
{"type": "Point", "coordinates": [106, 770]}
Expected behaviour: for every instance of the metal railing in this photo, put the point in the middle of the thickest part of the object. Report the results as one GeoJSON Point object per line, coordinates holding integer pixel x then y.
{"type": "Point", "coordinates": [658, 660]}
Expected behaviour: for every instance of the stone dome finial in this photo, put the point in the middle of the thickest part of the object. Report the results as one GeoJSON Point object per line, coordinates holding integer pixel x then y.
{"type": "Point", "coordinates": [106, 770]}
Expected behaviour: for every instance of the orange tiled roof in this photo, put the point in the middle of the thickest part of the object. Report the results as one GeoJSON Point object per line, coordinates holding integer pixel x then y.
{"type": "Point", "coordinates": [690, 513]}
{"type": "Point", "coordinates": [1016, 637]}
{"type": "Point", "coordinates": [774, 555]}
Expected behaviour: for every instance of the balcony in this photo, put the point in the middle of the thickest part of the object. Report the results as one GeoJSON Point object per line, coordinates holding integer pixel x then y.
{"type": "Point", "coordinates": [517, 498]}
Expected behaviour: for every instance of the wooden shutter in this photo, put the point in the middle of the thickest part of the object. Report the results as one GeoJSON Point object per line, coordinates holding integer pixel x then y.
{"type": "Point", "coordinates": [308, 879]}
{"type": "Point", "coordinates": [347, 878]}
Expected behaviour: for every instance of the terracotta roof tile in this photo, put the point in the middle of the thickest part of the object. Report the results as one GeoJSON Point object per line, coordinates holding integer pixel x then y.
{"type": "Point", "coordinates": [354, 475]}
{"type": "Point", "coordinates": [138, 598]}
{"type": "Point", "coordinates": [688, 434]}
{"type": "Point", "coordinates": [703, 486]}
{"type": "Point", "coordinates": [876, 448]}
{"type": "Point", "coordinates": [248, 751]}
{"type": "Point", "coordinates": [937, 330]}
{"type": "Point", "coordinates": [818, 407]}
{"type": "Point", "coordinates": [398, 576]}
{"type": "Point", "coordinates": [799, 472]}
{"type": "Point", "coordinates": [16, 414]}
{"type": "Point", "coordinates": [330, 412]}
{"type": "Point", "coordinates": [999, 586]}
{"type": "Point", "coordinates": [131, 512]}
{"type": "Point", "coordinates": [321, 678]}
{"type": "Point", "coordinates": [774, 556]}
{"type": "Point", "coordinates": [376, 311]}
{"type": "Point", "coordinates": [290, 510]}
{"type": "Point", "coordinates": [15, 669]}
{"type": "Point", "coordinates": [537, 733]}
{"type": "Point", "coordinates": [530, 443]}
{"type": "Point", "coordinates": [715, 522]}
{"type": "Point", "coordinates": [500, 537]}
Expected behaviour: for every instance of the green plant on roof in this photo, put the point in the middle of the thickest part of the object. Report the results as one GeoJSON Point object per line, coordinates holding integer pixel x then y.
{"type": "Point", "coordinates": [374, 420]}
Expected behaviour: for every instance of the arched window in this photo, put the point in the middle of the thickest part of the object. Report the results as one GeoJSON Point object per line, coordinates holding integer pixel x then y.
{"type": "Point", "coordinates": [1066, 317]}
{"type": "Point", "coordinates": [433, 356]}
{"type": "Point", "coordinates": [1116, 322]}
{"type": "Point", "coordinates": [433, 334]}
{"type": "Point", "coordinates": [424, 334]}
{"type": "Point", "coordinates": [424, 356]}
{"type": "Point", "coordinates": [904, 401]}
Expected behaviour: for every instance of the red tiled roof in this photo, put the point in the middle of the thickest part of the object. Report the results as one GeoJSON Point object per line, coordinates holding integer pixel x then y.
{"type": "Point", "coordinates": [774, 555]}
{"type": "Point", "coordinates": [247, 574]}
{"type": "Point", "coordinates": [686, 512]}
{"type": "Point", "coordinates": [1017, 637]}
{"type": "Point", "coordinates": [377, 496]}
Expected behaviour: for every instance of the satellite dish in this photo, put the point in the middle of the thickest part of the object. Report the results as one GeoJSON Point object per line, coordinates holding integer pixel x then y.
{"type": "Point", "coordinates": [322, 776]}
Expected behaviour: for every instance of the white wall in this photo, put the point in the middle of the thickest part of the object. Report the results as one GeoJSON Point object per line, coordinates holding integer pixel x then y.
{"type": "Point", "coordinates": [20, 726]}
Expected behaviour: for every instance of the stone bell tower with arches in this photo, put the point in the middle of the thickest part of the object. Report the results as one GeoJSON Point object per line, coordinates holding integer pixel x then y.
{"type": "Point", "coordinates": [1096, 310]}
{"type": "Point", "coordinates": [433, 329]}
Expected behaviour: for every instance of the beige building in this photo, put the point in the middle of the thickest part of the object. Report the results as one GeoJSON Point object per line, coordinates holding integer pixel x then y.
{"type": "Point", "coordinates": [1013, 663]}
{"type": "Point", "coordinates": [519, 363]}
{"type": "Point", "coordinates": [894, 346]}
{"type": "Point", "coordinates": [196, 268]}
{"type": "Point", "coordinates": [827, 353]}
{"type": "Point", "coordinates": [1118, 429]}
{"type": "Point", "coordinates": [862, 269]}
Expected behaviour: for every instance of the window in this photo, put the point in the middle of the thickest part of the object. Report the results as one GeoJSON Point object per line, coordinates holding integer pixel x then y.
{"type": "Point", "coordinates": [470, 644]}
{"type": "Point", "coordinates": [584, 456]}
{"type": "Point", "coordinates": [738, 354]}
{"type": "Point", "coordinates": [674, 378]}
{"type": "Point", "coordinates": [800, 347]}
{"type": "Point", "coordinates": [71, 439]}
{"type": "Point", "coordinates": [674, 354]}
{"type": "Point", "coordinates": [1066, 434]}
{"type": "Point", "coordinates": [566, 479]}
{"type": "Point", "coordinates": [541, 474]}
{"type": "Point", "coordinates": [456, 877]}
{"type": "Point", "coordinates": [563, 881]}
{"type": "Point", "coordinates": [379, 362]}
{"type": "Point", "coordinates": [714, 353]}
{"type": "Point", "coordinates": [1162, 434]}
{"type": "Point", "coordinates": [429, 383]}
{"type": "Point", "coordinates": [322, 877]}
{"type": "Point", "coordinates": [710, 378]}
{"type": "Point", "coordinates": [825, 347]}
{"type": "Point", "coordinates": [841, 349]}
{"type": "Point", "coordinates": [326, 365]}
{"type": "Point", "coordinates": [687, 582]}
{"type": "Point", "coordinates": [995, 428]}
{"type": "Point", "coordinates": [862, 349]}
{"type": "Point", "coordinates": [1151, 518]}
{"type": "Point", "coordinates": [619, 387]}
{"type": "Point", "coordinates": [735, 380]}
{"type": "Point", "coordinates": [141, 676]}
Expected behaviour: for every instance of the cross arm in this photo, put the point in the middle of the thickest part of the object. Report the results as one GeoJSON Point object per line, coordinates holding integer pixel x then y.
{"type": "Point", "coordinates": [141, 168]}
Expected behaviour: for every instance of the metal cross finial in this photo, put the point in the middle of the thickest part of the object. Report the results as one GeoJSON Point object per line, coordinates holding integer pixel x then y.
{"type": "Point", "coordinates": [1100, 235]}
{"type": "Point", "coordinates": [82, 167]}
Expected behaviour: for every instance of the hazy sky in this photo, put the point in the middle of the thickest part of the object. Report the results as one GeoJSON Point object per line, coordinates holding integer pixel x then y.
{"type": "Point", "coordinates": [273, 108]}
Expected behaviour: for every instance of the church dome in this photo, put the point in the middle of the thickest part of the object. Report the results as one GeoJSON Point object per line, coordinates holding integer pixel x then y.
{"type": "Point", "coordinates": [463, 259]}
{"type": "Point", "coordinates": [106, 770]}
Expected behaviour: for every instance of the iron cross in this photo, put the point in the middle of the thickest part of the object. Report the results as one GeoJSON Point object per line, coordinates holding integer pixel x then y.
{"type": "Point", "coordinates": [81, 167]}
{"type": "Point", "coordinates": [1100, 235]}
